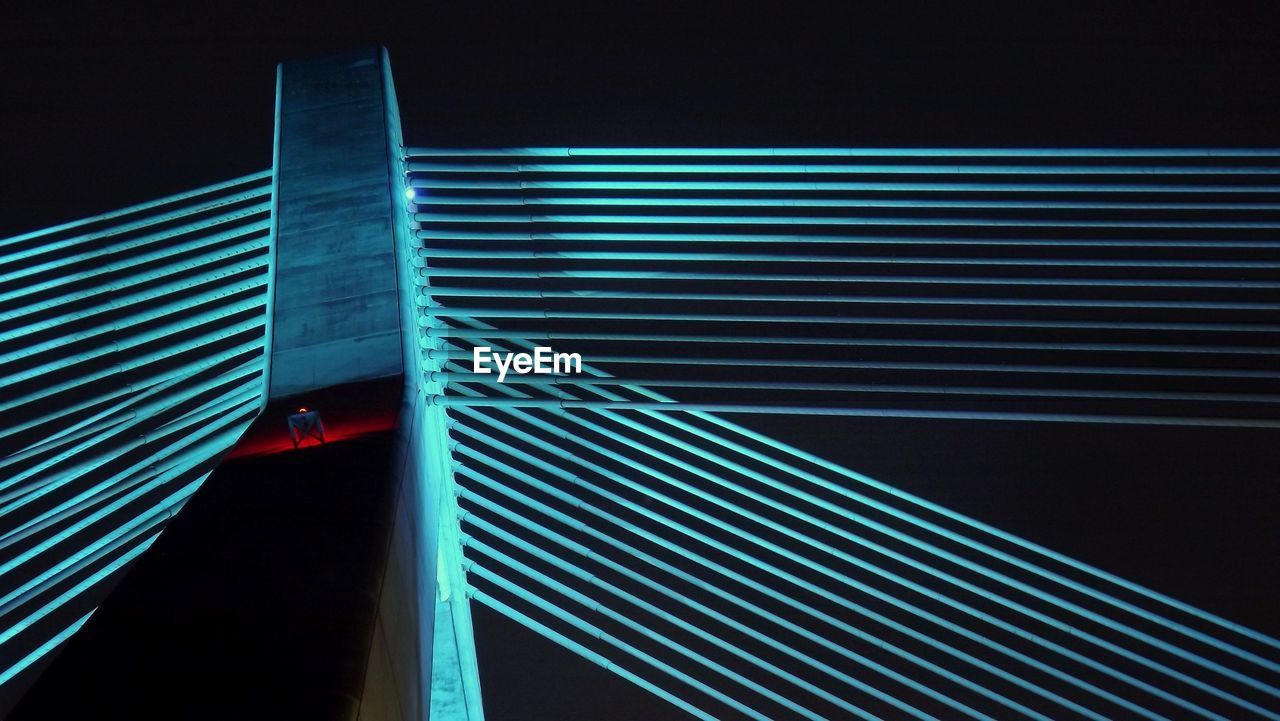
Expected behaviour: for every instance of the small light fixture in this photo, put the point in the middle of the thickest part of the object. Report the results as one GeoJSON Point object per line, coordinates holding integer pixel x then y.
{"type": "Point", "coordinates": [409, 193]}
{"type": "Point", "coordinates": [305, 424]}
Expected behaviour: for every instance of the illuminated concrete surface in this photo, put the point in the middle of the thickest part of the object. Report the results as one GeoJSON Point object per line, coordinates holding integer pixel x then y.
{"type": "Point", "coordinates": [333, 322]}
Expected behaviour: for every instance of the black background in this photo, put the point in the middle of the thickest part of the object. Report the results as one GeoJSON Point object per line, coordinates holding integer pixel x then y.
{"type": "Point", "coordinates": [101, 106]}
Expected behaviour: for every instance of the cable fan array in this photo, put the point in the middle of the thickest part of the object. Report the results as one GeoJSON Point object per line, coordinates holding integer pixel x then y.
{"type": "Point", "coordinates": [131, 359]}
{"type": "Point", "coordinates": [622, 514]}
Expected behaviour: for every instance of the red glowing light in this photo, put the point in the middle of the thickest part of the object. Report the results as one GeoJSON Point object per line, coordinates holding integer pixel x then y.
{"type": "Point", "coordinates": [268, 438]}
{"type": "Point", "coordinates": [350, 411]}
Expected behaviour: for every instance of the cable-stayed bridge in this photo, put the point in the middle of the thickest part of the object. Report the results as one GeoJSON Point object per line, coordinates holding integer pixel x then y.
{"type": "Point", "coordinates": [634, 513]}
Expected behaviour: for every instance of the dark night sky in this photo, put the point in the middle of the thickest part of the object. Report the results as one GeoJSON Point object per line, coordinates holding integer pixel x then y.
{"type": "Point", "coordinates": [100, 107]}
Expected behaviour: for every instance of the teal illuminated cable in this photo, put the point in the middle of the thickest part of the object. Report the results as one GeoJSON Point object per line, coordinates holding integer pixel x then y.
{"type": "Point", "coordinates": [656, 201]}
{"type": "Point", "coordinates": [842, 320]}
{"type": "Point", "coordinates": [141, 207]}
{"type": "Point", "coordinates": [252, 231]}
{"type": "Point", "coordinates": [45, 447]}
{"type": "Point", "coordinates": [151, 352]}
{"type": "Point", "coordinates": [70, 409]}
{"type": "Point", "coordinates": [498, 242]}
{"type": "Point", "coordinates": [989, 529]}
{"type": "Point", "coordinates": [246, 385]}
{"type": "Point", "coordinates": [84, 559]}
{"type": "Point", "coordinates": [187, 345]}
{"type": "Point", "coordinates": [607, 612]}
{"type": "Point", "coordinates": [756, 298]}
{"type": "Point", "coordinates": [96, 451]}
{"type": "Point", "coordinates": [157, 333]}
{"type": "Point", "coordinates": [17, 627]}
{"type": "Point", "coordinates": [43, 649]}
{"type": "Point", "coordinates": [121, 332]}
{"type": "Point", "coordinates": [1022, 633]}
{"type": "Point", "coordinates": [181, 452]}
{"type": "Point", "coordinates": [864, 521]}
{"type": "Point", "coordinates": [1016, 368]}
{"type": "Point", "coordinates": [223, 330]}
{"type": "Point", "coordinates": [970, 415]}
{"type": "Point", "coordinates": [528, 336]}
{"type": "Point", "coordinates": [685, 508]}
{"type": "Point", "coordinates": [156, 457]}
{"type": "Point", "coordinates": [836, 186]}
{"type": "Point", "coordinates": [787, 599]}
{"type": "Point", "coordinates": [214, 284]}
{"type": "Point", "coordinates": [723, 257]}
{"type": "Point", "coordinates": [869, 152]}
{"type": "Point", "coordinates": [203, 205]}
{"type": "Point", "coordinates": [684, 599]}
{"type": "Point", "coordinates": [102, 494]}
{"type": "Point", "coordinates": [848, 238]}
{"type": "Point", "coordinates": [225, 226]}
{"type": "Point", "coordinates": [472, 518]}
{"type": "Point", "coordinates": [863, 221]}
{"type": "Point", "coordinates": [833, 168]}
{"type": "Point", "coordinates": [574, 381]}
{"type": "Point", "coordinates": [139, 389]}
{"type": "Point", "coordinates": [233, 415]}
{"type": "Point", "coordinates": [860, 498]}
{"type": "Point", "coordinates": [484, 272]}
{"type": "Point", "coordinates": [238, 254]}
{"type": "Point", "coordinates": [596, 632]}
{"type": "Point", "coordinates": [133, 496]}
{"type": "Point", "coordinates": [112, 443]}
{"type": "Point", "coordinates": [776, 463]}
{"type": "Point", "coordinates": [174, 304]}
{"type": "Point", "coordinates": [871, 567]}
{"type": "Point", "coordinates": [889, 553]}
{"type": "Point", "coordinates": [701, 581]}
{"type": "Point", "coordinates": [590, 655]}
